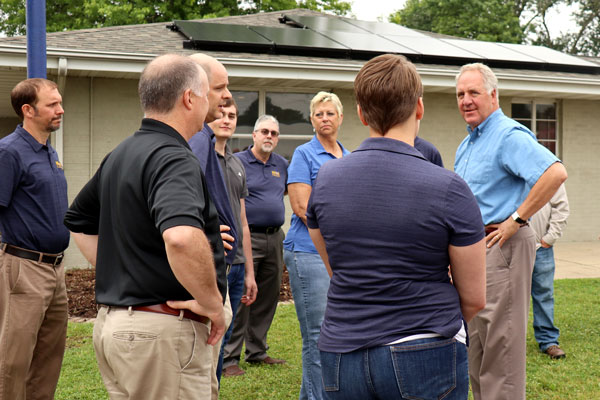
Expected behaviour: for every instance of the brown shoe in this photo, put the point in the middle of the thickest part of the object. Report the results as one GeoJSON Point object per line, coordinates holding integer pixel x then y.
{"type": "Point", "coordinates": [233, 370]}
{"type": "Point", "coordinates": [268, 360]}
{"type": "Point", "coordinates": [555, 352]}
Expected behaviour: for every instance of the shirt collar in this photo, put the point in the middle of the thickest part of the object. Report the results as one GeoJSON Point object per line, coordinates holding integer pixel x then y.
{"type": "Point", "coordinates": [481, 128]}
{"type": "Point", "coordinates": [35, 145]}
{"type": "Point", "coordinates": [149, 124]}
{"type": "Point", "coordinates": [391, 145]}
{"type": "Point", "coordinates": [319, 149]}
{"type": "Point", "coordinates": [270, 161]}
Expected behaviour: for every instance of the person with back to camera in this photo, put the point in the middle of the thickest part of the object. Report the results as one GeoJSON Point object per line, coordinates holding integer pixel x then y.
{"type": "Point", "coordinates": [308, 278]}
{"type": "Point", "coordinates": [387, 224]}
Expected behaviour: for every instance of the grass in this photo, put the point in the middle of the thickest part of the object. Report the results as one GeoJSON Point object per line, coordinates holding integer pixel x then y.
{"type": "Point", "coordinates": [576, 377]}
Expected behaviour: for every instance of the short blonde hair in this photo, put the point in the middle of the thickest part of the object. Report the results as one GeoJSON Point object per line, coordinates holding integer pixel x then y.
{"type": "Point", "coordinates": [323, 97]}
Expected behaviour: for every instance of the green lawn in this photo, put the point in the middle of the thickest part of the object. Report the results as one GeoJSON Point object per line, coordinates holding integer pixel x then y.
{"type": "Point", "coordinates": [576, 377]}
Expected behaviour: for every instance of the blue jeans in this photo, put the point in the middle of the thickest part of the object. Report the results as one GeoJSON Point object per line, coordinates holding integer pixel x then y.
{"type": "Point", "coordinates": [432, 368]}
{"type": "Point", "coordinates": [235, 286]}
{"type": "Point", "coordinates": [309, 281]}
{"type": "Point", "coordinates": [542, 295]}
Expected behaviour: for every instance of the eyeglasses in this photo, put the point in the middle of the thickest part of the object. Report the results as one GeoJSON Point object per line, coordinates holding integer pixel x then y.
{"type": "Point", "coordinates": [266, 132]}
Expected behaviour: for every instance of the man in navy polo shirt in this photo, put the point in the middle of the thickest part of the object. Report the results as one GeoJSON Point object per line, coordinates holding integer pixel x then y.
{"type": "Point", "coordinates": [203, 147]}
{"type": "Point", "coordinates": [33, 202]}
{"type": "Point", "coordinates": [266, 174]}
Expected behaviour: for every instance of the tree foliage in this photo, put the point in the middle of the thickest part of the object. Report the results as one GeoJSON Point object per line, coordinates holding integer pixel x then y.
{"type": "Point", "coordinates": [490, 20]}
{"type": "Point", "coordinates": [519, 21]}
{"type": "Point", "coordinates": [64, 15]}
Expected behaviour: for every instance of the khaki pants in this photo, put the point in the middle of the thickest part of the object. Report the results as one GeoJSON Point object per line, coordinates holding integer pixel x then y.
{"type": "Point", "coordinates": [33, 327]}
{"type": "Point", "coordinates": [497, 335]}
{"type": "Point", "coordinates": [144, 355]}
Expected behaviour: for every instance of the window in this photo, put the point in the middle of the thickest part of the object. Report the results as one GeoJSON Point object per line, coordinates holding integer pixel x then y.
{"type": "Point", "coordinates": [541, 118]}
{"type": "Point", "coordinates": [292, 110]}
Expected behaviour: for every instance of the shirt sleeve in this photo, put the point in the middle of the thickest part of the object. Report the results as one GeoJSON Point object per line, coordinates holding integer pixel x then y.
{"type": "Point", "coordinates": [10, 175]}
{"type": "Point", "coordinates": [523, 156]}
{"type": "Point", "coordinates": [463, 215]}
{"type": "Point", "coordinates": [244, 191]}
{"type": "Point", "coordinates": [299, 169]}
{"type": "Point", "coordinates": [559, 213]}
{"type": "Point", "coordinates": [83, 216]}
{"type": "Point", "coordinates": [311, 217]}
{"type": "Point", "coordinates": [201, 147]}
{"type": "Point", "coordinates": [176, 191]}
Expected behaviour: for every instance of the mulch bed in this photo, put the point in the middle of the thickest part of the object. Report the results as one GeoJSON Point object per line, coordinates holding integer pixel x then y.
{"type": "Point", "coordinates": [82, 303]}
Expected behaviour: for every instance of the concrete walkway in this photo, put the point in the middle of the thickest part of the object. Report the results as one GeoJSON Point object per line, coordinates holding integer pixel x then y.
{"type": "Point", "coordinates": [577, 259]}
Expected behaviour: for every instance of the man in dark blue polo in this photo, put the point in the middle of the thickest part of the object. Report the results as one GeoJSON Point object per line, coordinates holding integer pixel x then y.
{"type": "Point", "coordinates": [266, 174]}
{"type": "Point", "coordinates": [33, 201]}
{"type": "Point", "coordinates": [203, 147]}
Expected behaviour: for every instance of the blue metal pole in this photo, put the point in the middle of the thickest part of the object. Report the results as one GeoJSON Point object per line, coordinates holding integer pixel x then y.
{"type": "Point", "coordinates": [36, 38]}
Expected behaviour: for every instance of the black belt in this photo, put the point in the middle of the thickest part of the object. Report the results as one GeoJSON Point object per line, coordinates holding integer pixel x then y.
{"type": "Point", "coordinates": [164, 309]}
{"type": "Point", "coordinates": [54, 259]}
{"type": "Point", "coordinates": [264, 229]}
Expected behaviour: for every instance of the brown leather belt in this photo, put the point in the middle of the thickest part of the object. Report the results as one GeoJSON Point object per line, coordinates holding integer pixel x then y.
{"type": "Point", "coordinates": [492, 227]}
{"type": "Point", "coordinates": [164, 309]}
{"type": "Point", "coordinates": [54, 259]}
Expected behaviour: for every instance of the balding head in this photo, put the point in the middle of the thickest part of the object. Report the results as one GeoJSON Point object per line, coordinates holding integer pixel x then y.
{"type": "Point", "coordinates": [165, 79]}
{"type": "Point", "coordinates": [218, 82]}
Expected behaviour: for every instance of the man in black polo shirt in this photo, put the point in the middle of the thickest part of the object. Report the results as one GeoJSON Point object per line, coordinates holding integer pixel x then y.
{"type": "Point", "coordinates": [33, 201]}
{"type": "Point", "coordinates": [144, 220]}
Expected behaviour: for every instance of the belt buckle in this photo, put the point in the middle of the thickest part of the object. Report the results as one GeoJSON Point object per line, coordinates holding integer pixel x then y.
{"type": "Point", "coordinates": [58, 260]}
{"type": "Point", "coordinates": [270, 230]}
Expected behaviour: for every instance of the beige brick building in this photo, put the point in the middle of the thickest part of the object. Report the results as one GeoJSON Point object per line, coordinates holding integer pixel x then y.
{"type": "Point", "coordinates": [98, 69]}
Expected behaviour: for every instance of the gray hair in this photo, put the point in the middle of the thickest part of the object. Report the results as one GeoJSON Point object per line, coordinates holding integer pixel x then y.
{"type": "Point", "coordinates": [490, 82]}
{"type": "Point", "coordinates": [165, 79]}
{"type": "Point", "coordinates": [263, 118]}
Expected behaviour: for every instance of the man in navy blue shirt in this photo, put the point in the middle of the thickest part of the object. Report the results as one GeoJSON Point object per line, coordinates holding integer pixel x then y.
{"type": "Point", "coordinates": [266, 175]}
{"type": "Point", "coordinates": [33, 201]}
{"type": "Point", "coordinates": [202, 144]}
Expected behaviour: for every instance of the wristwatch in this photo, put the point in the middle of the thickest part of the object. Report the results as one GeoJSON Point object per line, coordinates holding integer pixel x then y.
{"type": "Point", "coordinates": [518, 218]}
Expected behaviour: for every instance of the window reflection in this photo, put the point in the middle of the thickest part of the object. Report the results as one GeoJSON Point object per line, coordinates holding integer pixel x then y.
{"type": "Point", "coordinates": [292, 112]}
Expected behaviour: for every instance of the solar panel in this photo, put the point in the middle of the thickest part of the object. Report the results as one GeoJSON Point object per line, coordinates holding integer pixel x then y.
{"type": "Point", "coordinates": [367, 42]}
{"type": "Point", "coordinates": [286, 38]}
{"type": "Point", "coordinates": [219, 33]}
{"type": "Point", "coordinates": [329, 24]}
{"type": "Point", "coordinates": [491, 51]}
{"type": "Point", "coordinates": [548, 55]}
{"type": "Point", "coordinates": [430, 46]}
{"type": "Point", "coordinates": [384, 28]}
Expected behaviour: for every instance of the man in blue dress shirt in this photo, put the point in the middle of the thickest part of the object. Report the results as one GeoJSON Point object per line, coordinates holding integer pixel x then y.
{"type": "Point", "coordinates": [511, 176]}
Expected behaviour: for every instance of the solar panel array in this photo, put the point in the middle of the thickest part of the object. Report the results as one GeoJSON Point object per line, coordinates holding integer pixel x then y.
{"type": "Point", "coordinates": [338, 37]}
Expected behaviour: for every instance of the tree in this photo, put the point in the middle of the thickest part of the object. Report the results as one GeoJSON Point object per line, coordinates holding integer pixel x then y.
{"type": "Point", "coordinates": [583, 41]}
{"type": "Point", "coordinates": [64, 15]}
{"type": "Point", "coordinates": [519, 21]}
{"type": "Point", "coordinates": [490, 20]}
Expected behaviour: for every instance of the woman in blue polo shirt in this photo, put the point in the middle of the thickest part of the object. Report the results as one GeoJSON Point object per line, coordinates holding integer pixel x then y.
{"type": "Point", "coordinates": [388, 223]}
{"type": "Point", "coordinates": [308, 277]}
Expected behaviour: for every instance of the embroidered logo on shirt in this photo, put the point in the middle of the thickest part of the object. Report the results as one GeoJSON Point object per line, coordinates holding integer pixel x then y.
{"type": "Point", "coordinates": [275, 173]}
{"type": "Point", "coordinates": [58, 165]}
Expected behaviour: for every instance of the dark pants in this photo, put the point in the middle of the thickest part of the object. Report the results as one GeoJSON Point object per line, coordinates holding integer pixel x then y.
{"type": "Point", "coordinates": [252, 323]}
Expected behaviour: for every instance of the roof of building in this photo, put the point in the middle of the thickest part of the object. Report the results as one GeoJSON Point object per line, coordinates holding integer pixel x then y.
{"type": "Point", "coordinates": [122, 52]}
